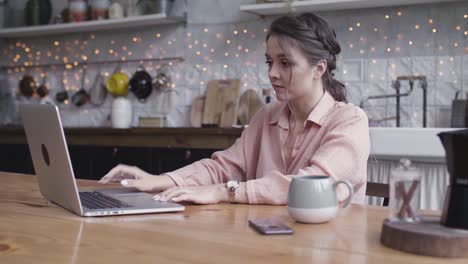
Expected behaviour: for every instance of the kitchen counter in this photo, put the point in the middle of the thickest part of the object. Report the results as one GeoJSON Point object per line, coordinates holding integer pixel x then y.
{"type": "Point", "coordinates": [388, 143]}
{"type": "Point", "coordinates": [159, 150]}
{"type": "Point", "coordinates": [183, 137]}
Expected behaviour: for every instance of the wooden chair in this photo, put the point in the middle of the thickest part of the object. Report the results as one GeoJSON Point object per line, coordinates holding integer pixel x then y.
{"type": "Point", "coordinates": [381, 190]}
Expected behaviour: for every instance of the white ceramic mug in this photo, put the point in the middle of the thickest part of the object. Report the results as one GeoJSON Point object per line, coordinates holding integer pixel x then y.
{"type": "Point", "coordinates": [312, 199]}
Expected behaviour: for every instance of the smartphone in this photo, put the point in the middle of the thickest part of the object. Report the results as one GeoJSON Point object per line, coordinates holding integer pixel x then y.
{"type": "Point", "coordinates": [270, 226]}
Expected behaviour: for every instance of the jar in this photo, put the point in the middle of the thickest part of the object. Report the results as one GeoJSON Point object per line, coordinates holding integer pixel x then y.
{"type": "Point", "coordinates": [116, 11]}
{"type": "Point", "coordinates": [404, 192]}
{"type": "Point", "coordinates": [77, 10]}
{"type": "Point", "coordinates": [99, 9]}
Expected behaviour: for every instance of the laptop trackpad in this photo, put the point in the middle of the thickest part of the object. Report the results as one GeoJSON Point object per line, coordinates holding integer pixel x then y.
{"type": "Point", "coordinates": [134, 197]}
{"type": "Point", "coordinates": [121, 190]}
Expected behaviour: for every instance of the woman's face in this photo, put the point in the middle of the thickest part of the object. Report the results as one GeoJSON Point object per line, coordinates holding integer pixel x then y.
{"type": "Point", "coordinates": [289, 70]}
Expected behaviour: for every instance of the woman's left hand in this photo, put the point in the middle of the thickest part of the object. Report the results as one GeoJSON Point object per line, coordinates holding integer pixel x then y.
{"type": "Point", "coordinates": [209, 194]}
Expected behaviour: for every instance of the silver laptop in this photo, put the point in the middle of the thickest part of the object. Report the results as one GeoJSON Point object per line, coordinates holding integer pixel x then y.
{"type": "Point", "coordinates": [51, 160]}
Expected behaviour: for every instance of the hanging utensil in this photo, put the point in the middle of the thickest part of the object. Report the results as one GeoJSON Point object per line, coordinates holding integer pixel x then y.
{"type": "Point", "coordinates": [27, 86]}
{"type": "Point", "coordinates": [162, 81]}
{"type": "Point", "coordinates": [117, 84]}
{"type": "Point", "coordinates": [81, 97]}
{"type": "Point", "coordinates": [140, 84]}
{"type": "Point", "coordinates": [62, 96]}
{"type": "Point", "coordinates": [43, 90]}
{"type": "Point", "coordinates": [98, 91]}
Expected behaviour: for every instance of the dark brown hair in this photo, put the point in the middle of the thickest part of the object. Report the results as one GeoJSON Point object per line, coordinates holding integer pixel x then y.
{"type": "Point", "coordinates": [315, 37]}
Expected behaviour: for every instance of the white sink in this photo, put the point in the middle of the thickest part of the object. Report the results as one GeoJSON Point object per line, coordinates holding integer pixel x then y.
{"type": "Point", "coordinates": [415, 143]}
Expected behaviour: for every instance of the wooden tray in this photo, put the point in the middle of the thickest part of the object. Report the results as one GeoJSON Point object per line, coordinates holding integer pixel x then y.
{"type": "Point", "coordinates": [427, 237]}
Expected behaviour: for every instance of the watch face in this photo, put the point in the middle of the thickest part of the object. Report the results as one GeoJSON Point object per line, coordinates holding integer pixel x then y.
{"type": "Point", "coordinates": [232, 184]}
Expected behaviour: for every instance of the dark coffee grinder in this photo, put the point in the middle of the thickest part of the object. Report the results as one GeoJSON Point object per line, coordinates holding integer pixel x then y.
{"type": "Point", "coordinates": [455, 211]}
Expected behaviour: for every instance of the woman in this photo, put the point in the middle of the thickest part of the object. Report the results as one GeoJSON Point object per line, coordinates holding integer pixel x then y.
{"type": "Point", "coordinates": [309, 130]}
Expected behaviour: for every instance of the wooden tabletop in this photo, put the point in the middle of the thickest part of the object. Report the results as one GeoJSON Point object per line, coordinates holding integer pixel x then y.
{"type": "Point", "coordinates": [32, 230]}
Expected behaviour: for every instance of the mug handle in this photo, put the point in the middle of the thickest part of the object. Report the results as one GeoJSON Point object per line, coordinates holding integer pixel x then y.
{"type": "Point", "coordinates": [350, 188]}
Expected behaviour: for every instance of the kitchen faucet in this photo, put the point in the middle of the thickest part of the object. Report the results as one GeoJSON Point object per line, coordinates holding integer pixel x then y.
{"type": "Point", "coordinates": [397, 85]}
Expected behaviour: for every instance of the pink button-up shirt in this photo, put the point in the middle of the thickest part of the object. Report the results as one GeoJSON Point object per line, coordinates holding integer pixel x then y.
{"type": "Point", "coordinates": [335, 142]}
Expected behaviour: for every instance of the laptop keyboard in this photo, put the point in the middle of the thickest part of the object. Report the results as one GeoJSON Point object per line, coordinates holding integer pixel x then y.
{"type": "Point", "coordinates": [97, 200]}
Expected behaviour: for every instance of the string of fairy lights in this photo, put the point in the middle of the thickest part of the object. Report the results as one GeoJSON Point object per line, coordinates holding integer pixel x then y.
{"type": "Point", "coordinates": [206, 46]}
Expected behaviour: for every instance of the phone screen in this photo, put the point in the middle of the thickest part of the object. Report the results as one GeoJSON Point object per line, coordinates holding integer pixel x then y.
{"type": "Point", "coordinates": [270, 226]}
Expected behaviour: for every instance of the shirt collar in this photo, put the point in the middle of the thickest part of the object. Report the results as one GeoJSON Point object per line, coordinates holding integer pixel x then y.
{"type": "Point", "coordinates": [325, 104]}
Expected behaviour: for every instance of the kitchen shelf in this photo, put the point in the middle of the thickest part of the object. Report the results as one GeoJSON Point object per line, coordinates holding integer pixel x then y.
{"type": "Point", "coordinates": [90, 26]}
{"type": "Point", "coordinates": [327, 5]}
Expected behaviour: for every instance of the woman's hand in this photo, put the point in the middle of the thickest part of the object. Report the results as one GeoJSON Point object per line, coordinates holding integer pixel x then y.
{"type": "Point", "coordinates": [208, 194]}
{"type": "Point", "coordinates": [131, 176]}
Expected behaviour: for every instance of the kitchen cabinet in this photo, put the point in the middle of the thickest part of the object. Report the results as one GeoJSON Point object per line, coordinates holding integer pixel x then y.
{"type": "Point", "coordinates": [94, 151]}
{"type": "Point", "coordinates": [167, 160]}
{"type": "Point", "coordinates": [327, 5]}
{"type": "Point", "coordinates": [90, 26]}
{"type": "Point", "coordinates": [16, 158]}
{"type": "Point", "coordinates": [93, 162]}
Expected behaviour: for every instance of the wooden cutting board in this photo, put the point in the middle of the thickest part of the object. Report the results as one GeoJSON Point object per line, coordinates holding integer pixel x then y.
{"type": "Point", "coordinates": [196, 113]}
{"type": "Point", "coordinates": [221, 103]}
{"type": "Point", "coordinates": [230, 94]}
{"type": "Point", "coordinates": [249, 103]}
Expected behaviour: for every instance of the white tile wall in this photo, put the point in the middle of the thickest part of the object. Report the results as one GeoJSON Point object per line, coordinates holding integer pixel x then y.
{"type": "Point", "coordinates": [375, 50]}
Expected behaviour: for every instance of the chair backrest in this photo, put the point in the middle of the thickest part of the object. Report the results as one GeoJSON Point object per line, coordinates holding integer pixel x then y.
{"type": "Point", "coordinates": [381, 190]}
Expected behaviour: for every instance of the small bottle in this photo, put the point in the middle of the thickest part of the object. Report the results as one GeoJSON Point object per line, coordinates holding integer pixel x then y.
{"type": "Point", "coordinates": [77, 10]}
{"type": "Point", "coordinates": [99, 9]}
{"type": "Point", "coordinates": [404, 192]}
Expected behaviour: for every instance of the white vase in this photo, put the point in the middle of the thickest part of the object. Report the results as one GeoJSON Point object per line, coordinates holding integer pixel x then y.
{"type": "Point", "coordinates": [121, 113]}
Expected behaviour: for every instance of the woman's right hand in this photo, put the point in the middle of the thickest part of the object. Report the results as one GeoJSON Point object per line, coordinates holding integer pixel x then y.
{"type": "Point", "coordinates": [131, 176]}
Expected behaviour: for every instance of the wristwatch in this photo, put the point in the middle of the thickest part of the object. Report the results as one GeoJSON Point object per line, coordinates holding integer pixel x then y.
{"type": "Point", "coordinates": [231, 188]}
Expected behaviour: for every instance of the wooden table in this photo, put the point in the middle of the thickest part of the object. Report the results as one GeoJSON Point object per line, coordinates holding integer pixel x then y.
{"type": "Point", "coordinates": [32, 230]}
